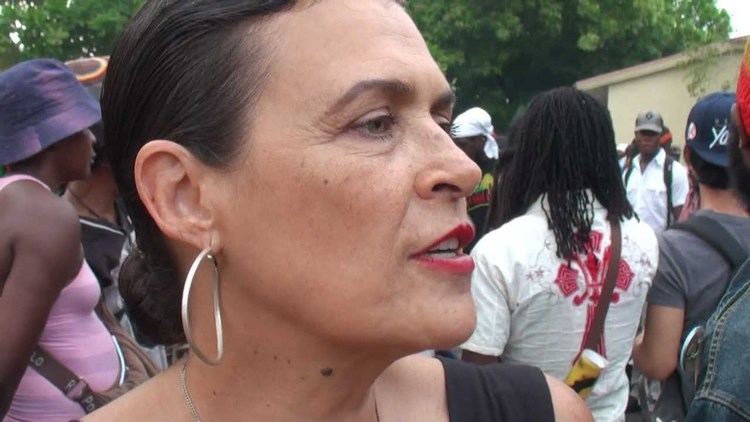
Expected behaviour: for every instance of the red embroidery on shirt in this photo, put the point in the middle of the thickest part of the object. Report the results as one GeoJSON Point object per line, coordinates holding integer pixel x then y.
{"type": "Point", "coordinates": [624, 276]}
{"type": "Point", "coordinates": [595, 241]}
{"type": "Point", "coordinates": [594, 272]}
{"type": "Point", "coordinates": [566, 280]}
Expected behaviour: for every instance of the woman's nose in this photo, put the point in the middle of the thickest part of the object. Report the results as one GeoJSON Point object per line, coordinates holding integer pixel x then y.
{"type": "Point", "coordinates": [449, 172]}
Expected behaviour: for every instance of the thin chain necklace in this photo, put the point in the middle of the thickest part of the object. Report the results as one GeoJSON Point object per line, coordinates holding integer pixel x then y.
{"type": "Point", "coordinates": [194, 412]}
{"type": "Point", "coordinates": [186, 394]}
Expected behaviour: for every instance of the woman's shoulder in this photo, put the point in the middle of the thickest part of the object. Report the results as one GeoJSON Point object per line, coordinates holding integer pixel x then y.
{"type": "Point", "coordinates": [491, 392]}
{"type": "Point", "coordinates": [29, 201]}
{"type": "Point", "coordinates": [41, 226]}
{"type": "Point", "coordinates": [414, 386]}
{"type": "Point", "coordinates": [154, 400]}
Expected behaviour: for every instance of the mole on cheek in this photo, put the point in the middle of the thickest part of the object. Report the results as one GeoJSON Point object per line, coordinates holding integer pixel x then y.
{"type": "Point", "coordinates": [326, 372]}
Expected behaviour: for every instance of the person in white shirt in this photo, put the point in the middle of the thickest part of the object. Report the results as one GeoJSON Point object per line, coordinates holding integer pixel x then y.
{"type": "Point", "coordinates": [538, 276]}
{"type": "Point", "coordinates": [656, 184]}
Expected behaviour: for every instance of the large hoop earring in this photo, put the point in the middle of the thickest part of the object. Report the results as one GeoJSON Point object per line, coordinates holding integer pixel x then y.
{"type": "Point", "coordinates": [205, 254]}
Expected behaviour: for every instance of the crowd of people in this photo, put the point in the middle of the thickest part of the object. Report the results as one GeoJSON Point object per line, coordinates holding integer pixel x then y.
{"type": "Point", "coordinates": [265, 210]}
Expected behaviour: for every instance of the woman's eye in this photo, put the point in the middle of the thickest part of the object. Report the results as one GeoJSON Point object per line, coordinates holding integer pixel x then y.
{"type": "Point", "coordinates": [377, 127]}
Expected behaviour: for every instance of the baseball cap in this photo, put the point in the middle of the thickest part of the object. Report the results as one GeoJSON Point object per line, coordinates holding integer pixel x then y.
{"type": "Point", "coordinates": [707, 130]}
{"type": "Point", "coordinates": [41, 103]}
{"type": "Point", "coordinates": [649, 120]}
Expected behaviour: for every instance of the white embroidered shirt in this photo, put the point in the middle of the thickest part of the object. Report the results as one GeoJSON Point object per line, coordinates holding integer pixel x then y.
{"type": "Point", "coordinates": [535, 309]}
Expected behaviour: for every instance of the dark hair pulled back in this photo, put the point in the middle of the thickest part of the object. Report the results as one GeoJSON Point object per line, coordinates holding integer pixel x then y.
{"type": "Point", "coordinates": [563, 147]}
{"type": "Point", "coordinates": [189, 72]}
{"type": "Point", "coordinates": [708, 174]}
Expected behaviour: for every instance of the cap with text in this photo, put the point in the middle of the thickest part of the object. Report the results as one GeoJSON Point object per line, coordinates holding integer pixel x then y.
{"type": "Point", "coordinates": [707, 130]}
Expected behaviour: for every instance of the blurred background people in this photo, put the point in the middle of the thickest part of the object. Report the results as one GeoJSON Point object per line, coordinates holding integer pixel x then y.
{"type": "Point", "coordinates": [656, 184]}
{"type": "Point", "coordinates": [666, 143]}
{"type": "Point", "coordinates": [50, 292]}
{"type": "Point", "coordinates": [473, 132]}
{"type": "Point", "coordinates": [622, 150]}
{"type": "Point", "coordinates": [106, 232]}
{"type": "Point", "coordinates": [695, 257]}
{"type": "Point", "coordinates": [105, 229]}
{"type": "Point", "coordinates": [539, 276]}
{"type": "Point", "coordinates": [723, 393]}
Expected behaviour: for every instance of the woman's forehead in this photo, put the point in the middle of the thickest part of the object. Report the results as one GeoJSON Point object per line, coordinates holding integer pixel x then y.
{"type": "Point", "coordinates": [333, 44]}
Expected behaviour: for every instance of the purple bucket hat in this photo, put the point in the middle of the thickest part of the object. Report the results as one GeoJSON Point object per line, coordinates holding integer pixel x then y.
{"type": "Point", "coordinates": [41, 103]}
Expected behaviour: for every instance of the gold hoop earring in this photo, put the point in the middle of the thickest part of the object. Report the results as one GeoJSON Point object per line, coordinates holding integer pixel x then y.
{"type": "Point", "coordinates": [205, 254]}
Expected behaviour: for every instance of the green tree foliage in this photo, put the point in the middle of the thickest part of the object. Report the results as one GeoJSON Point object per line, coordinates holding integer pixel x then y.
{"type": "Point", "coordinates": [497, 53]}
{"type": "Point", "coordinates": [62, 29]}
{"type": "Point", "coordinates": [500, 53]}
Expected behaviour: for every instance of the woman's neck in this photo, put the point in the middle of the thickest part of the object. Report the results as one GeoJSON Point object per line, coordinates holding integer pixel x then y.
{"type": "Point", "coordinates": [274, 371]}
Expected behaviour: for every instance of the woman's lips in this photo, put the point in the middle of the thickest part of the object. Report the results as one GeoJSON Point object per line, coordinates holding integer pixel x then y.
{"type": "Point", "coordinates": [460, 264]}
{"type": "Point", "coordinates": [463, 233]}
{"type": "Point", "coordinates": [446, 253]}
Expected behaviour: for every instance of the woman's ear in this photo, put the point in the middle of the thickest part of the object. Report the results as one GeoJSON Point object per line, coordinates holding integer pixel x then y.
{"type": "Point", "coordinates": [172, 183]}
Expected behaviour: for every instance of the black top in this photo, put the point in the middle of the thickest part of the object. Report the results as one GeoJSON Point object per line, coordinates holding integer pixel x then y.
{"type": "Point", "coordinates": [498, 392]}
{"type": "Point", "coordinates": [102, 247]}
{"type": "Point", "coordinates": [105, 245]}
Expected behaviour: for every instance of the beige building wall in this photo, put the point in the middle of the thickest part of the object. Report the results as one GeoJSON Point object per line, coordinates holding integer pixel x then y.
{"type": "Point", "coordinates": [666, 92]}
{"type": "Point", "coordinates": [662, 85]}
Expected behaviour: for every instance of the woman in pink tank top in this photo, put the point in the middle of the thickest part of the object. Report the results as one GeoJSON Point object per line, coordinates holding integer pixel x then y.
{"type": "Point", "coordinates": [47, 291]}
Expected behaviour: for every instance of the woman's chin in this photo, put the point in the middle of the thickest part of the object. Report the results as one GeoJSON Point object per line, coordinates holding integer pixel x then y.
{"type": "Point", "coordinates": [452, 330]}
{"type": "Point", "coordinates": [457, 336]}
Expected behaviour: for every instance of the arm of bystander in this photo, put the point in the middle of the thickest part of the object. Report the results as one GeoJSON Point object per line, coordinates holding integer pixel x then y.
{"type": "Point", "coordinates": [42, 253]}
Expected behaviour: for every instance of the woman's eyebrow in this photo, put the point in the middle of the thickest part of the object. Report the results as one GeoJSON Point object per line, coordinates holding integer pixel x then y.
{"type": "Point", "coordinates": [446, 100]}
{"type": "Point", "coordinates": [391, 86]}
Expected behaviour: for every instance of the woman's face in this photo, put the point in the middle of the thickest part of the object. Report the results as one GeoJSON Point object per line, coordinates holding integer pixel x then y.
{"type": "Point", "coordinates": [348, 178]}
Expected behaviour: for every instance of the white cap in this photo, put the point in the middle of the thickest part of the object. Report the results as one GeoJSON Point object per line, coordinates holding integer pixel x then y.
{"type": "Point", "coordinates": [476, 122]}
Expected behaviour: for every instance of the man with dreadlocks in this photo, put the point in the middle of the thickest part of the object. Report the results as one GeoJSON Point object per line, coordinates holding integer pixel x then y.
{"type": "Point", "coordinates": [539, 276]}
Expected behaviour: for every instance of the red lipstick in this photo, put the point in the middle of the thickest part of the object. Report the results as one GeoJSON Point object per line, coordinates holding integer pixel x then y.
{"type": "Point", "coordinates": [441, 257]}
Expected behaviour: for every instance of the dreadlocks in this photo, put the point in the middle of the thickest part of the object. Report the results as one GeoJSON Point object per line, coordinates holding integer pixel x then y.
{"type": "Point", "coordinates": [563, 148]}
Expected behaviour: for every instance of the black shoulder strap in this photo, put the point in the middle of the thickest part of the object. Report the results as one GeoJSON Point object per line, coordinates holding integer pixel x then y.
{"type": "Point", "coordinates": [668, 184]}
{"type": "Point", "coordinates": [718, 237]}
